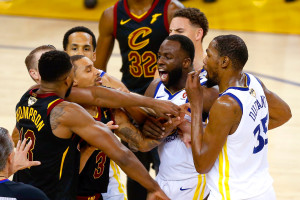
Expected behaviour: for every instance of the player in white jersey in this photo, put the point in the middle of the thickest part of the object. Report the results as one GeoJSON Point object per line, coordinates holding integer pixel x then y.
{"type": "Point", "coordinates": [177, 175]}
{"type": "Point", "coordinates": [232, 149]}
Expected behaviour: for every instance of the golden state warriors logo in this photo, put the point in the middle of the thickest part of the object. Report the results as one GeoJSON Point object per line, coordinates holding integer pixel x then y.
{"type": "Point", "coordinates": [252, 92]}
{"type": "Point", "coordinates": [135, 35]}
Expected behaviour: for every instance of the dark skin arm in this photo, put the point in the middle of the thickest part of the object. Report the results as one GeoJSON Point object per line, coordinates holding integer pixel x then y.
{"type": "Point", "coordinates": [106, 97]}
{"type": "Point", "coordinates": [279, 110]}
{"type": "Point", "coordinates": [63, 124]}
{"type": "Point", "coordinates": [225, 115]}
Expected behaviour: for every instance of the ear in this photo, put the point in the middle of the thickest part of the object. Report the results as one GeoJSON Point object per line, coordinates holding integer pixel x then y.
{"type": "Point", "coordinates": [94, 56]}
{"type": "Point", "coordinates": [199, 34]}
{"type": "Point", "coordinates": [186, 63]}
{"type": "Point", "coordinates": [34, 74]}
{"type": "Point", "coordinates": [10, 158]}
{"type": "Point", "coordinates": [75, 82]}
{"type": "Point", "coordinates": [225, 61]}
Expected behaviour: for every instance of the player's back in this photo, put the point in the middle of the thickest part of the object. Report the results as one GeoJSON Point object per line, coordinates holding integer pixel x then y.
{"type": "Point", "coordinates": [139, 40]}
{"type": "Point", "coordinates": [57, 175]}
{"type": "Point", "coordinates": [241, 169]}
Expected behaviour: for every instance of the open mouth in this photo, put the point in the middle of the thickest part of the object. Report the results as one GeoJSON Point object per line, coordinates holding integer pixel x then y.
{"type": "Point", "coordinates": [98, 81]}
{"type": "Point", "coordinates": [163, 75]}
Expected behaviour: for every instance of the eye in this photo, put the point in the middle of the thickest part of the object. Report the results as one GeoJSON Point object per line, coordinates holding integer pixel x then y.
{"type": "Point", "coordinates": [74, 48]}
{"type": "Point", "coordinates": [86, 49]}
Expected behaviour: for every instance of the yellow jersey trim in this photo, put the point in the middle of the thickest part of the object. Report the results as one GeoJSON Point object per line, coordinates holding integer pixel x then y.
{"type": "Point", "coordinates": [62, 162]}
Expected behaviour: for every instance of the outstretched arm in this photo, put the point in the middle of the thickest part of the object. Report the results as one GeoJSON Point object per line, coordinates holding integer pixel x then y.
{"type": "Point", "coordinates": [106, 39]}
{"type": "Point", "coordinates": [106, 97]}
{"type": "Point", "coordinates": [63, 124]}
{"type": "Point", "coordinates": [279, 110]}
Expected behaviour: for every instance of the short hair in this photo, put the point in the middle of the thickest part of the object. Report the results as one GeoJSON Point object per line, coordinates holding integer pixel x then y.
{"type": "Point", "coordinates": [234, 47]}
{"type": "Point", "coordinates": [6, 147]}
{"type": "Point", "coordinates": [186, 44]}
{"type": "Point", "coordinates": [75, 58]}
{"type": "Point", "coordinates": [30, 58]}
{"type": "Point", "coordinates": [53, 65]}
{"type": "Point", "coordinates": [75, 30]}
{"type": "Point", "coordinates": [196, 17]}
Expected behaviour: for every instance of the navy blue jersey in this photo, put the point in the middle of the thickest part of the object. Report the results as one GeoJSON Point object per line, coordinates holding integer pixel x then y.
{"type": "Point", "coordinates": [57, 175]}
{"type": "Point", "coordinates": [139, 41]}
{"type": "Point", "coordinates": [94, 177]}
{"type": "Point", "coordinates": [20, 191]}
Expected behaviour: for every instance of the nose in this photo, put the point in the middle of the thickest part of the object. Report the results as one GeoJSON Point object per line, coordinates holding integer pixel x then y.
{"type": "Point", "coordinates": [96, 71]}
{"type": "Point", "coordinates": [159, 60]}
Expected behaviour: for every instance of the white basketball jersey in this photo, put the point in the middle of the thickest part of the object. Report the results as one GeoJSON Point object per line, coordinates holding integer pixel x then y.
{"type": "Point", "coordinates": [176, 160]}
{"type": "Point", "coordinates": [241, 169]}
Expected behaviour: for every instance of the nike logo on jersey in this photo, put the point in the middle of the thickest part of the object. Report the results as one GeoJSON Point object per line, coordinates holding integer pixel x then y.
{"type": "Point", "coordinates": [154, 17]}
{"type": "Point", "coordinates": [182, 189]}
{"type": "Point", "coordinates": [124, 22]}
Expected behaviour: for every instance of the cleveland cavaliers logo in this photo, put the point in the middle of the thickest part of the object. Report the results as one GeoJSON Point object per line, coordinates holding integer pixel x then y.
{"type": "Point", "coordinates": [31, 101]}
{"type": "Point", "coordinates": [140, 33]}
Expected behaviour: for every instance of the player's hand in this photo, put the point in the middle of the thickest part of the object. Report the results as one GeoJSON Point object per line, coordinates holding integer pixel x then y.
{"type": "Point", "coordinates": [193, 87]}
{"type": "Point", "coordinates": [164, 108]}
{"type": "Point", "coordinates": [153, 128]}
{"type": "Point", "coordinates": [111, 125]}
{"type": "Point", "coordinates": [157, 195]}
{"type": "Point", "coordinates": [20, 159]}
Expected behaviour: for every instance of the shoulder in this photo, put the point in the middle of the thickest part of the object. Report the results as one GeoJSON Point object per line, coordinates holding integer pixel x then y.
{"type": "Point", "coordinates": [27, 191]}
{"type": "Point", "coordinates": [107, 18]}
{"type": "Point", "coordinates": [65, 108]}
{"type": "Point", "coordinates": [152, 87]}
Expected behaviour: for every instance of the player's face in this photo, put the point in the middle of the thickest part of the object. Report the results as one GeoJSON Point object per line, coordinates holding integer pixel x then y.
{"type": "Point", "coordinates": [81, 43]}
{"type": "Point", "coordinates": [71, 80]}
{"type": "Point", "coordinates": [183, 26]}
{"type": "Point", "coordinates": [86, 74]}
{"type": "Point", "coordinates": [170, 61]}
{"type": "Point", "coordinates": [212, 61]}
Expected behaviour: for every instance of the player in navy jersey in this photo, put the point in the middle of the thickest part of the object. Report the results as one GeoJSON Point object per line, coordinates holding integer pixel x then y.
{"type": "Point", "coordinates": [139, 27]}
{"type": "Point", "coordinates": [236, 133]}
{"type": "Point", "coordinates": [94, 176]}
{"type": "Point", "coordinates": [50, 122]}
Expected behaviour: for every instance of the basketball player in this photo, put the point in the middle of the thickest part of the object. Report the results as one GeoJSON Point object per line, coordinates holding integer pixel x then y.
{"type": "Point", "coordinates": [177, 177]}
{"type": "Point", "coordinates": [232, 149]}
{"type": "Point", "coordinates": [50, 122]}
{"type": "Point", "coordinates": [140, 27]}
{"type": "Point", "coordinates": [94, 177]}
{"type": "Point", "coordinates": [80, 40]}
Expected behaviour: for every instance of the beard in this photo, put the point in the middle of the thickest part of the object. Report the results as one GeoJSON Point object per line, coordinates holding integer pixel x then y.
{"type": "Point", "coordinates": [174, 76]}
{"type": "Point", "coordinates": [211, 82]}
{"type": "Point", "coordinates": [69, 91]}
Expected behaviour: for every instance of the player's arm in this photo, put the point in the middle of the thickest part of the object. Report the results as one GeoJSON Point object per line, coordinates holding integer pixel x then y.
{"type": "Point", "coordinates": [133, 136]}
{"type": "Point", "coordinates": [107, 97]}
{"type": "Point", "coordinates": [15, 136]}
{"type": "Point", "coordinates": [110, 81]}
{"type": "Point", "coordinates": [63, 124]}
{"type": "Point", "coordinates": [279, 110]}
{"type": "Point", "coordinates": [224, 117]}
{"type": "Point", "coordinates": [106, 40]}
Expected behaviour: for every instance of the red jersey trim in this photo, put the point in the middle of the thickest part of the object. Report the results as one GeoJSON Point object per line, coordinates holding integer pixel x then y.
{"type": "Point", "coordinates": [166, 21]}
{"type": "Point", "coordinates": [115, 19]}
{"type": "Point", "coordinates": [53, 104]}
{"type": "Point", "coordinates": [32, 93]}
{"type": "Point", "coordinates": [145, 16]}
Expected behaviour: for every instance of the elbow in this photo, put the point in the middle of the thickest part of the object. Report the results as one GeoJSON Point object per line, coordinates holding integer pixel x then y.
{"type": "Point", "coordinates": [202, 168]}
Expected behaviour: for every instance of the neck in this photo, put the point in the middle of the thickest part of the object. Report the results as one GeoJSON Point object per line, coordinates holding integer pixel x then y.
{"type": "Point", "coordinates": [180, 84]}
{"type": "Point", "coordinates": [91, 109]}
{"type": "Point", "coordinates": [199, 56]}
{"type": "Point", "coordinates": [235, 79]}
{"type": "Point", "coordinates": [51, 88]}
{"type": "Point", "coordinates": [139, 7]}
{"type": "Point", "coordinates": [3, 174]}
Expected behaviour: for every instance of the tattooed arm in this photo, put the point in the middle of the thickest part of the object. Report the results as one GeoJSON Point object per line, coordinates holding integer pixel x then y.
{"type": "Point", "coordinates": [132, 135]}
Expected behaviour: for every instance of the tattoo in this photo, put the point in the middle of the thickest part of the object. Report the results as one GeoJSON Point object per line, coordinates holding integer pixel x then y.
{"type": "Point", "coordinates": [55, 115]}
{"type": "Point", "coordinates": [136, 140]}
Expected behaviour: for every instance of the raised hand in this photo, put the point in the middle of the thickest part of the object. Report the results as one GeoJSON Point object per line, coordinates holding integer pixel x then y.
{"type": "Point", "coordinates": [193, 87]}
{"type": "Point", "coordinates": [20, 159]}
